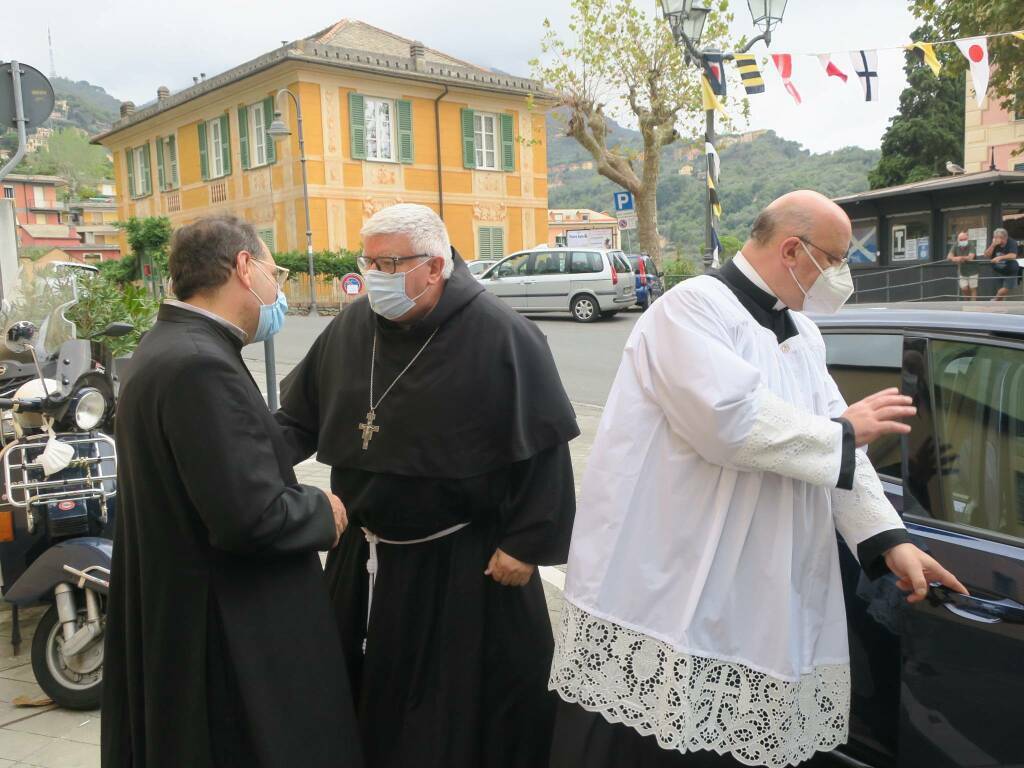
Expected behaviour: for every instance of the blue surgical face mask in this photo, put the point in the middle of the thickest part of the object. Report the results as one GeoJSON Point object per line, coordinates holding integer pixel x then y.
{"type": "Point", "coordinates": [387, 293]}
{"type": "Point", "coordinates": [271, 315]}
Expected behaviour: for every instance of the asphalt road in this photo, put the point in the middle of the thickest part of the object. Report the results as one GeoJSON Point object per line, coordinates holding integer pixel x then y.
{"type": "Point", "coordinates": [587, 355]}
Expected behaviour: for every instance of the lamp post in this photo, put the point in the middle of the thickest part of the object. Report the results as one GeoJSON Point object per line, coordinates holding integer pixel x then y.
{"type": "Point", "coordinates": [686, 21]}
{"type": "Point", "coordinates": [279, 130]}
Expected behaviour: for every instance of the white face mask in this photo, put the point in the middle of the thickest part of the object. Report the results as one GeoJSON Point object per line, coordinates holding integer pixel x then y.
{"type": "Point", "coordinates": [387, 293]}
{"type": "Point", "coordinates": [830, 291]}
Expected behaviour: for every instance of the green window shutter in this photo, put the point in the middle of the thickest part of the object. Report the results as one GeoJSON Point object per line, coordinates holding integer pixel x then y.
{"type": "Point", "coordinates": [485, 243]}
{"type": "Point", "coordinates": [405, 148]}
{"type": "Point", "coordinates": [468, 140]}
{"type": "Point", "coordinates": [268, 118]}
{"type": "Point", "coordinates": [147, 170]}
{"type": "Point", "coordinates": [225, 143]}
{"type": "Point", "coordinates": [497, 242]}
{"type": "Point", "coordinates": [131, 171]}
{"type": "Point", "coordinates": [357, 125]}
{"type": "Point", "coordinates": [508, 139]}
{"type": "Point", "coordinates": [204, 162]}
{"type": "Point", "coordinates": [243, 137]}
{"type": "Point", "coordinates": [267, 236]}
{"type": "Point", "coordinates": [172, 151]}
{"type": "Point", "coordinates": [161, 173]}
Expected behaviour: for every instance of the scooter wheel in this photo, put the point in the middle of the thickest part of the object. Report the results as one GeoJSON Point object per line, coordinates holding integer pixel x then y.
{"type": "Point", "coordinates": [75, 686]}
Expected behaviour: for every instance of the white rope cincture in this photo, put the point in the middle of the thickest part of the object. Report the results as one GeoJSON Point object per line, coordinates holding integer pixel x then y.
{"type": "Point", "coordinates": [373, 563]}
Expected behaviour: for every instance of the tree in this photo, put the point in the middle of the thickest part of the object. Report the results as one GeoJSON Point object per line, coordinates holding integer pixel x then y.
{"type": "Point", "coordinates": [69, 154]}
{"type": "Point", "coordinates": [929, 128]}
{"type": "Point", "coordinates": [966, 18]}
{"type": "Point", "coordinates": [616, 58]}
{"type": "Point", "coordinates": [148, 239]}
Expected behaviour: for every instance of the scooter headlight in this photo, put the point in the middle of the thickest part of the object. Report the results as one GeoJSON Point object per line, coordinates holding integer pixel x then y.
{"type": "Point", "coordinates": [90, 408]}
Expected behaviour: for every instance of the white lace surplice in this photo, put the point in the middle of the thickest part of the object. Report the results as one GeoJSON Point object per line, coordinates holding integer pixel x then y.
{"type": "Point", "coordinates": [704, 601]}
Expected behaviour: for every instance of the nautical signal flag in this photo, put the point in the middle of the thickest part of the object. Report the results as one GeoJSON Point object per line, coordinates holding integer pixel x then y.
{"type": "Point", "coordinates": [865, 64]}
{"type": "Point", "coordinates": [714, 72]}
{"type": "Point", "coordinates": [928, 54]}
{"type": "Point", "coordinates": [746, 65]}
{"type": "Point", "coordinates": [711, 101]}
{"type": "Point", "coordinates": [831, 68]}
{"type": "Point", "coordinates": [716, 204]}
{"type": "Point", "coordinates": [784, 63]}
{"type": "Point", "coordinates": [976, 51]}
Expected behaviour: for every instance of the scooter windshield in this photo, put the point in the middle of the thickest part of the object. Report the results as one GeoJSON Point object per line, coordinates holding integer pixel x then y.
{"type": "Point", "coordinates": [45, 296]}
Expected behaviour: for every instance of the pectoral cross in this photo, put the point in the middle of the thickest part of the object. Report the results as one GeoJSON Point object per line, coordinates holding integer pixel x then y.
{"type": "Point", "coordinates": [368, 429]}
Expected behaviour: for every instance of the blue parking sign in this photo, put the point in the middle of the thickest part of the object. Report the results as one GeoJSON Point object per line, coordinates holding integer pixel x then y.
{"type": "Point", "coordinates": [623, 201]}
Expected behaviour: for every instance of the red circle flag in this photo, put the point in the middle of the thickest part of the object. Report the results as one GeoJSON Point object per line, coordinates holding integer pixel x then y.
{"type": "Point", "coordinates": [977, 53]}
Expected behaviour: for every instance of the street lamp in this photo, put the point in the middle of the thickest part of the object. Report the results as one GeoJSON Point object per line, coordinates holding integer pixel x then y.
{"type": "Point", "coordinates": [278, 130]}
{"type": "Point", "coordinates": [687, 24]}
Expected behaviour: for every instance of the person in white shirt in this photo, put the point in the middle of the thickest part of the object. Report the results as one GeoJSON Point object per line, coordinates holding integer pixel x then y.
{"type": "Point", "coordinates": [704, 621]}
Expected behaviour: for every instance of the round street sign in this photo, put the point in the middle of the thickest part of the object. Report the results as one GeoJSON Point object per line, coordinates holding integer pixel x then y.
{"type": "Point", "coordinates": [352, 284]}
{"type": "Point", "coordinates": [36, 93]}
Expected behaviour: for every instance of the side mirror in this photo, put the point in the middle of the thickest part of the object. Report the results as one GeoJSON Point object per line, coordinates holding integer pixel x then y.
{"type": "Point", "coordinates": [21, 337]}
{"type": "Point", "coordinates": [115, 331]}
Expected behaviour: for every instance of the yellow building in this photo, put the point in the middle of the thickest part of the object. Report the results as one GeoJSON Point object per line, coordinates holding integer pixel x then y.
{"type": "Point", "coordinates": [378, 110]}
{"type": "Point", "coordinates": [992, 136]}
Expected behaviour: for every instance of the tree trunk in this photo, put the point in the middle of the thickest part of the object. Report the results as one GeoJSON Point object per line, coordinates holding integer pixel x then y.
{"type": "Point", "coordinates": [647, 202]}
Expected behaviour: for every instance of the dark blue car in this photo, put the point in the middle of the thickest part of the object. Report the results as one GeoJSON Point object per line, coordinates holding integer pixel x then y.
{"type": "Point", "coordinates": [940, 683]}
{"type": "Point", "coordinates": [648, 279]}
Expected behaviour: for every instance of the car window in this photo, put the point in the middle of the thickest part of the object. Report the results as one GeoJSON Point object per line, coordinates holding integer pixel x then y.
{"type": "Point", "coordinates": [862, 364]}
{"type": "Point", "coordinates": [586, 262]}
{"type": "Point", "coordinates": [478, 267]}
{"type": "Point", "coordinates": [619, 260]}
{"type": "Point", "coordinates": [517, 266]}
{"type": "Point", "coordinates": [978, 406]}
{"type": "Point", "coordinates": [652, 268]}
{"type": "Point", "coordinates": [551, 263]}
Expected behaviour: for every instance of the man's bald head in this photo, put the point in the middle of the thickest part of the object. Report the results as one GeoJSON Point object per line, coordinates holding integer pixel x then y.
{"type": "Point", "coordinates": [783, 234]}
{"type": "Point", "coordinates": [801, 213]}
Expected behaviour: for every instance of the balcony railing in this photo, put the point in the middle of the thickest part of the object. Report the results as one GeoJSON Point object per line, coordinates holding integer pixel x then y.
{"type": "Point", "coordinates": [172, 202]}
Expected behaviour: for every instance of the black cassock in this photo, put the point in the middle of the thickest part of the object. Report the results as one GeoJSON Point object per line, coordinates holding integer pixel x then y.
{"type": "Point", "coordinates": [221, 649]}
{"type": "Point", "coordinates": [455, 669]}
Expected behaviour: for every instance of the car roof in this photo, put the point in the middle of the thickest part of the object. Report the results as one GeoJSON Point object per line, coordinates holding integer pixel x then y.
{"type": "Point", "coordinates": [976, 317]}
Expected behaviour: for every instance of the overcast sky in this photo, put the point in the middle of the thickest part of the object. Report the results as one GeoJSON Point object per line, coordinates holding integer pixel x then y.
{"type": "Point", "coordinates": [132, 46]}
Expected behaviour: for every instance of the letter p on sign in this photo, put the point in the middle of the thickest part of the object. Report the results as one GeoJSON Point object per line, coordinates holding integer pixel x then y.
{"type": "Point", "coordinates": [623, 201]}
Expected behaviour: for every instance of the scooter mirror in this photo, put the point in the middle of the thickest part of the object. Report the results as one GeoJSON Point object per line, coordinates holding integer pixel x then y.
{"type": "Point", "coordinates": [21, 336]}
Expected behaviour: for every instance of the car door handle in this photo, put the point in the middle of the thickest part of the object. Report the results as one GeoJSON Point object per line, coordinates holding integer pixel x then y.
{"type": "Point", "coordinates": [977, 608]}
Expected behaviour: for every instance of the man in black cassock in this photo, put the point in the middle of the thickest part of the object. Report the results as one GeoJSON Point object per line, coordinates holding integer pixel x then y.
{"type": "Point", "coordinates": [446, 426]}
{"type": "Point", "coordinates": [221, 649]}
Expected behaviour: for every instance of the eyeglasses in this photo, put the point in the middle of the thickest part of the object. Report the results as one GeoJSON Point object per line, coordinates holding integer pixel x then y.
{"type": "Point", "coordinates": [833, 261]}
{"type": "Point", "coordinates": [280, 273]}
{"type": "Point", "coordinates": [388, 264]}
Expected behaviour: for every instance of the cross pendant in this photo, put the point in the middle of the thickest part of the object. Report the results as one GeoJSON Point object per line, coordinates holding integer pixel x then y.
{"type": "Point", "coordinates": [368, 429]}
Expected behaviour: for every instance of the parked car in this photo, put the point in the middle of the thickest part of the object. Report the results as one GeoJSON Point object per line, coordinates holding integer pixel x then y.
{"type": "Point", "coordinates": [478, 267]}
{"type": "Point", "coordinates": [941, 683]}
{"type": "Point", "coordinates": [649, 286]}
{"type": "Point", "coordinates": [589, 283]}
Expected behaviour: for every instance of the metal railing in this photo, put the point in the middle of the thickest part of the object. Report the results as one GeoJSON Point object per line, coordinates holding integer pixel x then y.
{"type": "Point", "coordinates": [931, 281]}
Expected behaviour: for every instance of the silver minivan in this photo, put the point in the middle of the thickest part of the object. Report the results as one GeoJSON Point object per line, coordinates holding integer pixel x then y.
{"type": "Point", "coordinates": [589, 283]}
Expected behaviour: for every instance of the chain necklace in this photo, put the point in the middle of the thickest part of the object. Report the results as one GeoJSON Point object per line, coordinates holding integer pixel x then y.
{"type": "Point", "coordinates": [369, 429]}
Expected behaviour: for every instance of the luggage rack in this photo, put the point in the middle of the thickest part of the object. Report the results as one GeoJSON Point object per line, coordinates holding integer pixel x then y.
{"type": "Point", "coordinates": [95, 459]}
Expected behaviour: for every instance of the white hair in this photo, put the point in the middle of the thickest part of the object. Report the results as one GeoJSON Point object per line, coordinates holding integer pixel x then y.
{"type": "Point", "coordinates": [1001, 231]}
{"type": "Point", "coordinates": [423, 227]}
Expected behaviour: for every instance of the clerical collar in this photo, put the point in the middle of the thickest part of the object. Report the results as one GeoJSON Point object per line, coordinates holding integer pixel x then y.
{"type": "Point", "coordinates": [234, 329]}
{"type": "Point", "coordinates": [762, 305]}
{"type": "Point", "coordinates": [751, 274]}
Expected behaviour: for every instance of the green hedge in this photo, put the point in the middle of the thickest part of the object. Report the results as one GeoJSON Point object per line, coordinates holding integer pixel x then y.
{"type": "Point", "coordinates": [333, 263]}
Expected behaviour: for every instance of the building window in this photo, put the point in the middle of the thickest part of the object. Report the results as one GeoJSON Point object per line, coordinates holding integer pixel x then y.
{"type": "Point", "coordinates": [215, 148]}
{"type": "Point", "coordinates": [267, 236]}
{"type": "Point", "coordinates": [864, 247]}
{"type": "Point", "coordinates": [1019, 167]}
{"type": "Point", "coordinates": [39, 195]}
{"type": "Point", "coordinates": [8, 193]}
{"type": "Point", "coordinates": [380, 129]}
{"type": "Point", "coordinates": [167, 162]}
{"type": "Point", "coordinates": [909, 238]}
{"type": "Point", "coordinates": [139, 183]}
{"type": "Point", "coordinates": [492, 243]}
{"type": "Point", "coordinates": [257, 135]}
{"type": "Point", "coordinates": [973, 221]}
{"type": "Point", "coordinates": [485, 137]}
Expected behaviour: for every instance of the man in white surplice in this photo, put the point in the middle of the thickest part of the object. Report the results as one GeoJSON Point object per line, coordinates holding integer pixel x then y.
{"type": "Point", "coordinates": [704, 621]}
